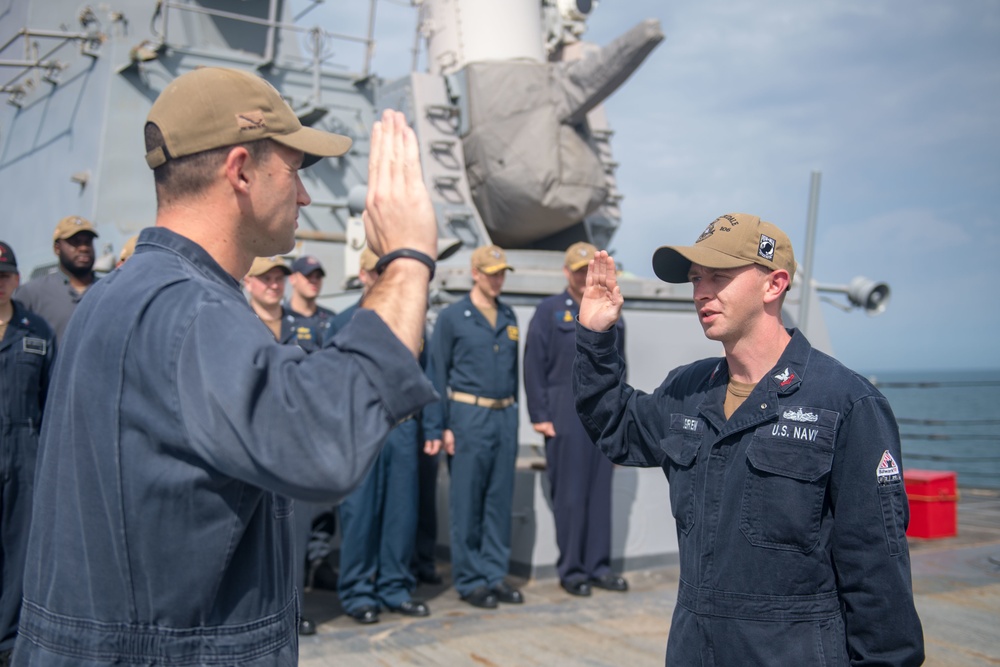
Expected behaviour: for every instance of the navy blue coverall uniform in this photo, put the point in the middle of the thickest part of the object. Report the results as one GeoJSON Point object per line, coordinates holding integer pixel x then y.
{"type": "Point", "coordinates": [319, 322]}
{"type": "Point", "coordinates": [579, 474]}
{"type": "Point", "coordinates": [378, 521]}
{"type": "Point", "coordinates": [175, 433]}
{"type": "Point", "coordinates": [791, 515]}
{"type": "Point", "coordinates": [469, 355]}
{"type": "Point", "coordinates": [295, 330]}
{"type": "Point", "coordinates": [26, 353]}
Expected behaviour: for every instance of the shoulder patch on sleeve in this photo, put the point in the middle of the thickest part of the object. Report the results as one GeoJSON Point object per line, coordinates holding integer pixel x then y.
{"type": "Point", "coordinates": [887, 470]}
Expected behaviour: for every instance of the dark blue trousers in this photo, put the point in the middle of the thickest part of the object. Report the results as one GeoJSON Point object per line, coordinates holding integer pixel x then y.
{"type": "Point", "coordinates": [424, 555]}
{"type": "Point", "coordinates": [379, 522]}
{"type": "Point", "coordinates": [580, 479]}
{"type": "Point", "coordinates": [18, 446]}
{"type": "Point", "coordinates": [482, 490]}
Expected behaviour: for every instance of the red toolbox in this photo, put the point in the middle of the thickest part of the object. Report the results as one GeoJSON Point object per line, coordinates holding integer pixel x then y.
{"type": "Point", "coordinates": [933, 500]}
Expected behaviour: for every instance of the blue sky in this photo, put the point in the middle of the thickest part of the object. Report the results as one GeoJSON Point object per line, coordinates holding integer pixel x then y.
{"type": "Point", "coordinates": [896, 103]}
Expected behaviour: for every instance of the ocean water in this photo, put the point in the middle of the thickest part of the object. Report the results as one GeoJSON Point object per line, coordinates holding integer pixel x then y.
{"type": "Point", "coordinates": [948, 420]}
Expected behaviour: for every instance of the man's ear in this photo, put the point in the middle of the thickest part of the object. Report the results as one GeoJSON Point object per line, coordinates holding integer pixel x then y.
{"type": "Point", "coordinates": [237, 169]}
{"type": "Point", "coordinates": [777, 284]}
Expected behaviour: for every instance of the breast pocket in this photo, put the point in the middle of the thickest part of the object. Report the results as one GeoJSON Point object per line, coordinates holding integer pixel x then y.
{"type": "Point", "coordinates": [785, 489]}
{"type": "Point", "coordinates": [28, 371]}
{"type": "Point", "coordinates": [681, 448]}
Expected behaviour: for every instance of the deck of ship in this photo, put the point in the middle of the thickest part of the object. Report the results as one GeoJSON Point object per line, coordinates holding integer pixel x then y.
{"type": "Point", "coordinates": [956, 584]}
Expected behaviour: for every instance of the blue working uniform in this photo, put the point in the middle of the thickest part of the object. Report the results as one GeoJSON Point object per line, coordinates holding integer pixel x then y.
{"type": "Point", "coordinates": [469, 355]}
{"type": "Point", "coordinates": [579, 474]}
{"type": "Point", "coordinates": [791, 515]}
{"type": "Point", "coordinates": [319, 322]}
{"type": "Point", "coordinates": [378, 520]}
{"type": "Point", "coordinates": [26, 352]}
{"type": "Point", "coordinates": [296, 330]}
{"type": "Point", "coordinates": [175, 433]}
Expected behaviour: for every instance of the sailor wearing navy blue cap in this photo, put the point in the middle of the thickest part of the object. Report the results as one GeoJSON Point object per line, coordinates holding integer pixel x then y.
{"type": "Point", "coordinates": [473, 363]}
{"type": "Point", "coordinates": [306, 281]}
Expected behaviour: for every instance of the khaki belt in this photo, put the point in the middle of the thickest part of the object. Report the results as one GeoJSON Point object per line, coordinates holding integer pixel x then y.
{"type": "Point", "coordinates": [481, 401]}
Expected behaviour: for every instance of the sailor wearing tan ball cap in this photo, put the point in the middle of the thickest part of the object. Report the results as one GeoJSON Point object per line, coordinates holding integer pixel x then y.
{"type": "Point", "coordinates": [473, 358]}
{"type": "Point", "coordinates": [784, 466]}
{"type": "Point", "coordinates": [182, 468]}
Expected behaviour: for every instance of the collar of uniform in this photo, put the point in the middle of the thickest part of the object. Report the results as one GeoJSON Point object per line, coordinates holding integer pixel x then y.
{"type": "Point", "coordinates": [566, 296]}
{"type": "Point", "coordinates": [787, 374]}
{"type": "Point", "coordinates": [187, 249]}
{"type": "Point", "coordinates": [504, 312]}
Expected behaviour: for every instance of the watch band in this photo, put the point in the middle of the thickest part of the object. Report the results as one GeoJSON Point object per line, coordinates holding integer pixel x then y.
{"type": "Point", "coordinates": [409, 253]}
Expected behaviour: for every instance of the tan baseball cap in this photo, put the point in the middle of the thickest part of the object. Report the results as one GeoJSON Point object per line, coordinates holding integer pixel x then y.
{"type": "Point", "coordinates": [213, 107]}
{"type": "Point", "coordinates": [70, 225]}
{"type": "Point", "coordinates": [490, 259]}
{"type": "Point", "coordinates": [729, 242]}
{"type": "Point", "coordinates": [579, 255]}
{"type": "Point", "coordinates": [262, 265]}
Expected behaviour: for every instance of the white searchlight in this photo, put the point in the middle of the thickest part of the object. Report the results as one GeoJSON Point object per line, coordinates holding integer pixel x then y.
{"type": "Point", "coordinates": [861, 292]}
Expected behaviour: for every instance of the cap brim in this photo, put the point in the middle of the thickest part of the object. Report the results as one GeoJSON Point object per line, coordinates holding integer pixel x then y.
{"type": "Point", "coordinates": [576, 266]}
{"type": "Point", "coordinates": [8, 268]}
{"type": "Point", "coordinates": [671, 264]}
{"type": "Point", "coordinates": [490, 270]}
{"type": "Point", "coordinates": [284, 269]}
{"type": "Point", "coordinates": [63, 237]}
{"type": "Point", "coordinates": [316, 144]}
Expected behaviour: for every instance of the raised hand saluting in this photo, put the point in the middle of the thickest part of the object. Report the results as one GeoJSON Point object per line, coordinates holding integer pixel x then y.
{"type": "Point", "coordinates": [601, 305]}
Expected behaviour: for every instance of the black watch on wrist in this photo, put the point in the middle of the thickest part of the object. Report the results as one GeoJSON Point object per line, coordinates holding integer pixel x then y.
{"type": "Point", "coordinates": [409, 253]}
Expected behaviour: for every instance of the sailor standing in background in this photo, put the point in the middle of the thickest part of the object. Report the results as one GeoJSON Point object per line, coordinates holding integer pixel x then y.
{"type": "Point", "coordinates": [26, 352]}
{"type": "Point", "coordinates": [473, 364]}
{"type": "Point", "coordinates": [54, 296]}
{"type": "Point", "coordinates": [306, 280]}
{"type": "Point", "coordinates": [265, 283]}
{"type": "Point", "coordinates": [579, 474]}
{"type": "Point", "coordinates": [378, 520]}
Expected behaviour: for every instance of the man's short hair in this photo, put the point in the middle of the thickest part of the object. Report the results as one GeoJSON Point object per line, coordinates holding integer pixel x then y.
{"type": "Point", "coordinates": [191, 174]}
